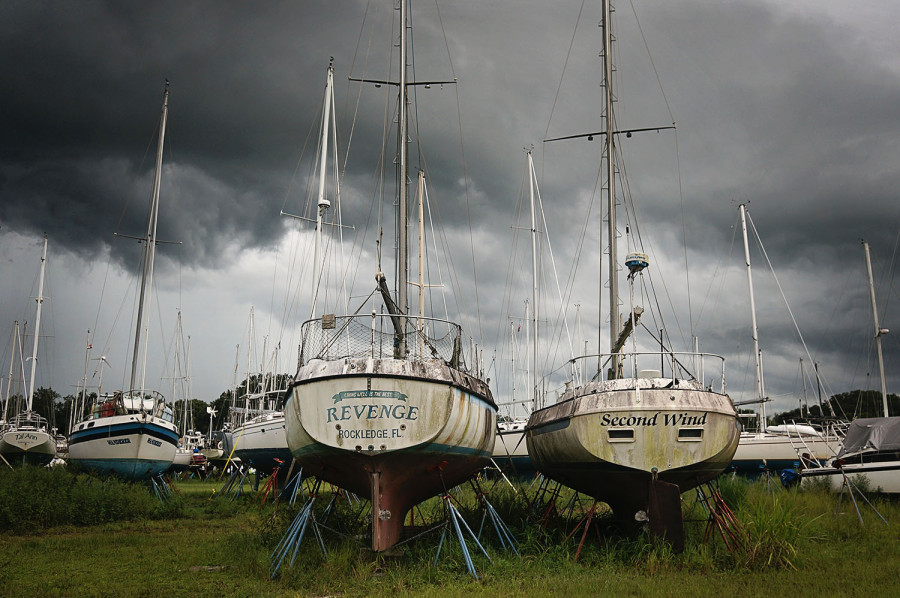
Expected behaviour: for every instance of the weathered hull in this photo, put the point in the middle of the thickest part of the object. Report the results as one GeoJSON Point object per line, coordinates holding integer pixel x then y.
{"type": "Point", "coordinates": [261, 442]}
{"type": "Point", "coordinates": [27, 447]}
{"type": "Point", "coordinates": [611, 439]}
{"type": "Point", "coordinates": [396, 431]}
{"type": "Point", "coordinates": [133, 447]}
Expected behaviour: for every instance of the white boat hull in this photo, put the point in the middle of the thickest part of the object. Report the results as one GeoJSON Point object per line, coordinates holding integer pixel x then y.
{"type": "Point", "coordinates": [262, 443]}
{"type": "Point", "coordinates": [760, 452]}
{"type": "Point", "coordinates": [880, 476]}
{"type": "Point", "coordinates": [394, 430]}
{"type": "Point", "coordinates": [23, 446]}
{"type": "Point", "coordinates": [510, 452]}
{"type": "Point", "coordinates": [611, 439]}
{"type": "Point", "coordinates": [133, 446]}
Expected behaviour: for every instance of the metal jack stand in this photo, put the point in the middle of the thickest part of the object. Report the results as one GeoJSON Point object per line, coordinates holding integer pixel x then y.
{"type": "Point", "coordinates": [721, 518]}
{"type": "Point", "coordinates": [587, 520]}
{"type": "Point", "coordinates": [294, 535]}
{"type": "Point", "coordinates": [293, 487]}
{"type": "Point", "coordinates": [271, 485]}
{"type": "Point", "coordinates": [235, 484]}
{"type": "Point", "coordinates": [162, 487]}
{"type": "Point", "coordinates": [503, 532]}
{"type": "Point", "coordinates": [544, 502]}
{"type": "Point", "coordinates": [848, 485]}
{"type": "Point", "coordinates": [454, 518]}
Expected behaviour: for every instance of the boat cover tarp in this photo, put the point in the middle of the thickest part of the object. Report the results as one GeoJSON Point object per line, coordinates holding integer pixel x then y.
{"type": "Point", "coordinates": [872, 433]}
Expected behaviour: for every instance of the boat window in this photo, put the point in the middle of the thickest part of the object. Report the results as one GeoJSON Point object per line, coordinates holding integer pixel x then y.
{"type": "Point", "coordinates": [621, 435]}
{"type": "Point", "coordinates": [695, 434]}
{"type": "Point", "coordinates": [90, 424]}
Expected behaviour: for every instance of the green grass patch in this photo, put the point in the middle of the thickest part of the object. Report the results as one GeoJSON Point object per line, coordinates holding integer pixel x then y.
{"type": "Point", "coordinates": [209, 543]}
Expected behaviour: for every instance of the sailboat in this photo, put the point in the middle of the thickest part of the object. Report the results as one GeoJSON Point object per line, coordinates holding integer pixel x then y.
{"type": "Point", "coordinates": [257, 437]}
{"type": "Point", "coordinates": [871, 446]}
{"type": "Point", "coordinates": [131, 433]}
{"type": "Point", "coordinates": [774, 448]}
{"type": "Point", "coordinates": [191, 441]}
{"type": "Point", "coordinates": [510, 452]}
{"type": "Point", "coordinates": [385, 405]}
{"type": "Point", "coordinates": [26, 438]}
{"type": "Point", "coordinates": [635, 440]}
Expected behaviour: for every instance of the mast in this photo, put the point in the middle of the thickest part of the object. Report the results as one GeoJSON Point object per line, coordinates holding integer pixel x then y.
{"type": "Point", "coordinates": [534, 284]}
{"type": "Point", "coordinates": [323, 203]}
{"type": "Point", "coordinates": [420, 200]}
{"type": "Point", "coordinates": [403, 125]}
{"type": "Point", "coordinates": [756, 356]}
{"type": "Point", "coordinates": [12, 358]}
{"type": "Point", "coordinates": [37, 329]}
{"type": "Point", "coordinates": [878, 330]}
{"type": "Point", "coordinates": [611, 187]}
{"type": "Point", "coordinates": [528, 375]}
{"type": "Point", "coordinates": [805, 397]}
{"type": "Point", "coordinates": [149, 249]}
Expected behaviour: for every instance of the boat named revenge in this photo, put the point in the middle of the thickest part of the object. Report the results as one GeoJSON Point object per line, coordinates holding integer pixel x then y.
{"type": "Point", "coordinates": [370, 412]}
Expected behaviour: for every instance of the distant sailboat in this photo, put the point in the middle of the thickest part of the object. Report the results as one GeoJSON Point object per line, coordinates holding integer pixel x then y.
{"type": "Point", "coordinates": [132, 433]}
{"type": "Point", "coordinates": [26, 438]}
{"type": "Point", "coordinates": [637, 441]}
{"type": "Point", "coordinates": [510, 452]}
{"type": "Point", "coordinates": [777, 447]}
{"type": "Point", "coordinates": [871, 447]}
{"type": "Point", "coordinates": [385, 405]}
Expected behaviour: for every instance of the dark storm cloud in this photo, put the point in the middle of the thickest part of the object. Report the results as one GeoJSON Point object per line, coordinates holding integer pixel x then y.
{"type": "Point", "coordinates": [797, 113]}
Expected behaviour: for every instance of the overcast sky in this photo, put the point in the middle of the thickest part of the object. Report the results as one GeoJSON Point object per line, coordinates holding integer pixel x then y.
{"type": "Point", "coordinates": [792, 108]}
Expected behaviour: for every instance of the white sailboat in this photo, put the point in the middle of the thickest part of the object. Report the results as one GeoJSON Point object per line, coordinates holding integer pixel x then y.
{"type": "Point", "coordinates": [510, 452]}
{"type": "Point", "coordinates": [26, 438]}
{"type": "Point", "coordinates": [257, 437]}
{"type": "Point", "coordinates": [635, 441]}
{"type": "Point", "coordinates": [385, 405]}
{"type": "Point", "coordinates": [871, 447]}
{"type": "Point", "coordinates": [132, 433]}
{"type": "Point", "coordinates": [772, 449]}
{"type": "Point", "coordinates": [260, 441]}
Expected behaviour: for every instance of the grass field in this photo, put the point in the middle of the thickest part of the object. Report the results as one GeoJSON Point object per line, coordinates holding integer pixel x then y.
{"type": "Point", "coordinates": [195, 545]}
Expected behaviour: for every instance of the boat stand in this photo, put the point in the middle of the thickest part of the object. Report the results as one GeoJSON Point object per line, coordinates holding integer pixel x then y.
{"type": "Point", "coordinates": [721, 518]}
{"type": "Point", "coordinates": [162, 487]}
{"type": "Point", "coordinates": [235, 484]}
{"type": "Point", "coordinates": [544, 501]}
{"type": "Point", "coordinates": [455, 519]}
{"type": "Point", "coordinates": [295, 533]}
{"type": "Point", "coordinates": [293, 487]}
{"type": "Point", "coordinates": [271, 486]}
{"type": "Point", "coordinates": [587, 520]}
{"type": "Point", "coordinates": [849, 486]}
{"type": "Point", "coordinates": [507, 541]}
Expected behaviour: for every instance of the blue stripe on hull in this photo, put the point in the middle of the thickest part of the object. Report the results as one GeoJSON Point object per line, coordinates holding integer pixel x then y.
{"type": "Point", "coordinates": [104, 431]}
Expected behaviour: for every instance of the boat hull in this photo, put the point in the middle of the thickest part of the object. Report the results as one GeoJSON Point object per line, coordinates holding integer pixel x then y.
{"type": "Point", "coordinates": [261, 442]}
{"type": "Point", "coordinates": [611, 439]}
{"type": "Point", "coordinates": [396, 431]}
{"type": "Point", "coordinates": [510, 452]}
{"type": "Point", "coordinates": [27, 447]}
{"type": "Point", "coordinates": [879, 476]}
{"type": "Point", "coordinates": [761, 452]}
{"type": "Point", "coordinates": [133, 447]}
